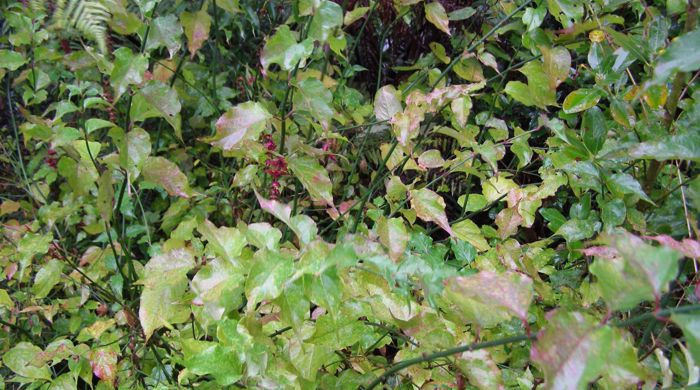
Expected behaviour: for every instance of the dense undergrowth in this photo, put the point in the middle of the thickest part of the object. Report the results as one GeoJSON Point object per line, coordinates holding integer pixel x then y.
{"type": "Point", "coordinates": [348, 194]}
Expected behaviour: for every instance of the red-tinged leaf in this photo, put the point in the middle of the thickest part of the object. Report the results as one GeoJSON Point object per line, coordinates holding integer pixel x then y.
{"type": "Point", "coordinates": [245, 121]}
{"type": "Point", "coordinates": [196, 25]}
{"type": "Point", "coordinates": [488, 298]}
{"type": "Point", "coordinates": [166, 174]}
{"type": "Point", "coordinates": [430, 207]}
{"type": "Point", "coordinates": [394, 236]}
{"type": "Point", "coordinates": [313, 177]}
{"type": "Point", "coordinates": [281, 211]}
{"type": "Point", "coordinates": [104, 365]}
{"type": "Point", "coordinates": [688, 247]}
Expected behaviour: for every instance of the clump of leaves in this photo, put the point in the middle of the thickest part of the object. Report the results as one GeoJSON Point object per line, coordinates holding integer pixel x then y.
{"type": "Point", "coordinates": [218, 193]}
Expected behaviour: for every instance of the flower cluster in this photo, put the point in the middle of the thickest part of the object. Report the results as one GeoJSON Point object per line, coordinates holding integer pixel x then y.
{"type": "Point", "coordinates": [275, 166]}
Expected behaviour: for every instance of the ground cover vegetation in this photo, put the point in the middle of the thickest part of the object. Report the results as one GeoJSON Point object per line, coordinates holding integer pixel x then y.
{"type": "Point", "coordinates": [318, 194]}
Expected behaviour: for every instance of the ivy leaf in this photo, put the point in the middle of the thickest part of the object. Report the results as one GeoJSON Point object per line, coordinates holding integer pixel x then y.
{"type": "Point", "coordinates": [572, 350]}
{"type": "Point", "coordinates": [313, 177]}
{"type": "Point", "coordinates": [196, 25]}
{"type": "Point", "coordinates": [163, 297]}
{"type": "Point", "coordinates": [165, 32]}
{"type": "Point", "coordinates": [683, 55]}
{"type": "Point", "coordinates": [167, 175]}
{"type": "Point", "coordinates": [128, 69]}
{"type": "Point", "coordinates": [488, 298]}
{"type": "Point", "coordinates": [394, 236]}
{"type": "Point", "coordinates": [246, 121]}
{"type": "Point", "coordinates": [435, 13]}
{"type": "Point", "coordinates": [581, 100]}
{"type": "Point", "coordinates": [282, 49]}
{"type": "Point", "coordinates": [387, 103]}
{"type": "Point", "coordinates": [430, 207]}
{"type": "Point", "coordinates": [537, 91]}
{"type": "Point", "coordinates": [22, 359]}
{"type": "Point", "coordinates": [634, 272]}
{"type": "Point", "coordinates": [313, 98]}
{"type": "Point", "coordinates": [267, 277]}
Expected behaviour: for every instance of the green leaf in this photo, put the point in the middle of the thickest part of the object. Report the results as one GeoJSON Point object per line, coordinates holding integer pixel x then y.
{"type": "Point", "coordinates": [24, 359]}
{"type": "Point", "coordinates": [533, 17]}
{"type": "Point", "coordinates": [468, 231]}
{"type": "Point", "coordinates": [313, 177]}
{"type": "Point", "coordinates": [128, 69]}
{"type": "Point", "coordinates": [164, 102]}
{"type": "Point", "coordinates": [435, 14]}
{"type": "Point", "coordinates": [537, 92]}
{"type": "Point", "coordinates": [327, 18]}
{"type": "Point", "coordinates": [488, 298]}
{"type": "Point", "coordinates": [165, 32]}
{"type": "Point", "coordinates": [11, 60]}
{"type": "Point", "coordinates": [623, 183]}
{"type": "Point", "coordinates": [576, 230]}
{"type": "Point", "coordinates": [594, 130]}
{"type": "Point", "coordinates": [224, 242]}
{"type": "Point", "coordinates": [497, 188]}
{"type": "Point", "coordinates": [430, 207]}
{"type": "Point", "coordinates": [581, 100]}
{"type": "Point", "coordinates": [105, 196]}
{"type": "Point", "coordinates": [46, 278]}
{"type": "Point", "coordinates": [394, 236]}
{"type": "Point", "coordinates": [557, 64]}
{"type": "Point", "coordinates": [218, 287]}
{"type": "Point", "coordinates": [163, 300]}
{"type": "Point", "coordinates": [196, 25]}
{"type": "Point", "coordinates": [314, 99]}
{"type": "Point", "coordinates": [166, 174]}
{"type": "Point", "coordinates": [356, 14]}
{"type": "Point", "coordinates": [690, 324]}
{"type": "Point", "coordinates": [631, 44]}
{"type": "Point", "coordinates": [282, 49]}
{"type": "Point", "coordinates": [566, 11]}
{"type": "Point", "coordinates": [683, 55]}
{"type": "Point", "coordinates": [573, 350]}
{"type": "Point", "coordinates": [683, 146]}
{"type": "Point", "coordinates": [633, 271]}
{"type": "Point", "coordinates": [387, 103]}
{"type": "Point", "coordinates": [613, 212]}
{"type": "Point", "coordinates": [461, 14]}
{"type": "Point", "coordinates": [267, 277]}
{"type": "Point", "coordinates": [211, 358]}
{"type": "Point", "coordinates": [480, 369]}
{"type": "Point", "coordinates": [134, 149]}
{"type": "Point", "coordinates": [243, 122]}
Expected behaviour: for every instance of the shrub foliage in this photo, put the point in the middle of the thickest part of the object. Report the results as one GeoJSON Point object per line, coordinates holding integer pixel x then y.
{"type": "Point", "coordinates": [320, 194]}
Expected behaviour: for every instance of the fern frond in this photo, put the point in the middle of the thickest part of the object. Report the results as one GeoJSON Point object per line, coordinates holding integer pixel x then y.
{"type": "Point", "coordinates": [88, 18]}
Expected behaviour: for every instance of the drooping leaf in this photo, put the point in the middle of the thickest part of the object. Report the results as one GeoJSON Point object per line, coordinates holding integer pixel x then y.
{"type": "Point", "coordinates": [245, 121]}
{"type": "Point", "coordinates": [313, 177]}
{"type": "Point", "coordinates": [393, 235]}
{"type": "Point", "coordinates": [163, 300]}
{"type": "Point", "coordinates": [488, 298]}
{"type": "Point", "coordinates": [105, 196]}
{"type": "Point", "coordinates": [430, 207]}
{"type": "Point", "coordinates": [594, 129]}
{"type": "Point", "coordinates": [623, 183]}
{"type": "Point", "coordinates": [11, 60]}
{"type": "Point", "coordinates": [196, 25]}
{"type": "Point", "coordinates": [166, 174]}
{"type": "Point", "coordinates": [435, 13]}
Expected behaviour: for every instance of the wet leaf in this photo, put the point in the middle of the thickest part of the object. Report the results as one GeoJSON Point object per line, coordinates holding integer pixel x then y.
{"type": "Point", "coordinates": [581, 100]}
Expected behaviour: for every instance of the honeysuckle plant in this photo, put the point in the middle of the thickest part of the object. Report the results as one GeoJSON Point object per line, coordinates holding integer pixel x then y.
{"type": "Point", "coordinates": [356, 194]}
